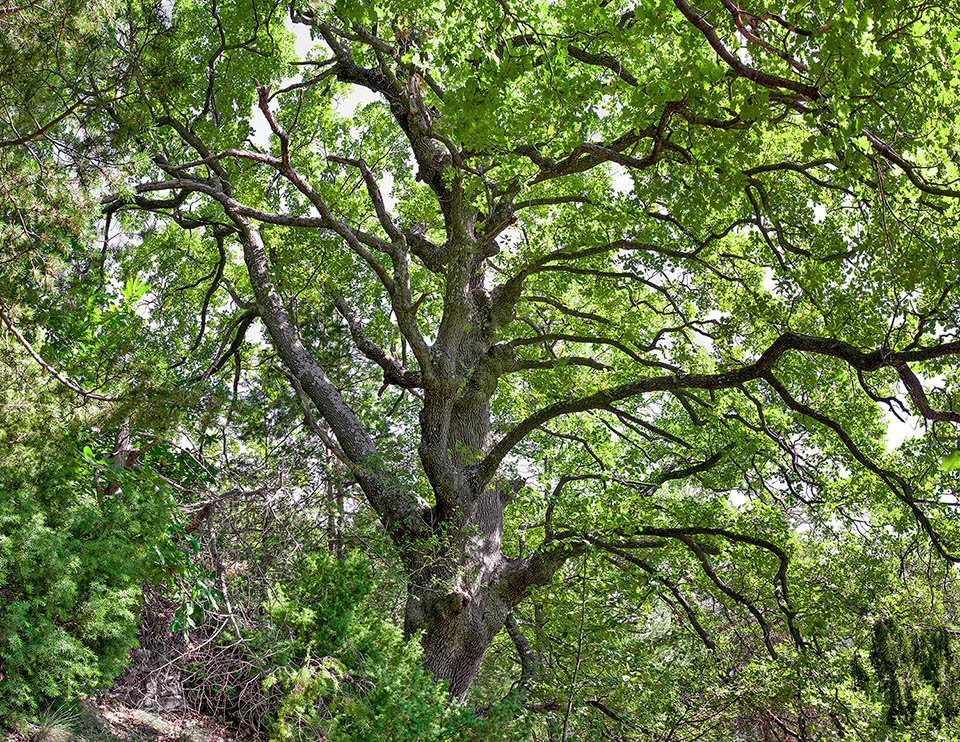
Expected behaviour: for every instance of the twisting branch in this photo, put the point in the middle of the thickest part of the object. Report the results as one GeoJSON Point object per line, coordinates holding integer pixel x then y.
{"type": "Point", "coordinates": [41, 130]}
{"type": "Point", "coordinates": [908, 168]}
{"type": "Point", "coordinates": [214, 285]}
{"type": "Point", "coordinates": [627, 245]}
{"type": "Point", "coordinates": [397, 285]}
{"type": "Point", "coordinates": [603, 60]}
{"type": "Point", "coordinates": [579, 339]}
{"type": "Point", "coordinates": [743, 70]}
{"type": "Point", "coordinates": [735, 595]}
{"type": "Point", "coordinates": [550, 201]}
{"type": "Point", "coordinates": [375, 196]}
{"type": "Point", "coordinates": [738, 17]}
{"type": "Point", "coordinates": [919, 396]}
{"type": "Point", "coordinates": [564, 309]}
{"type": "Point", "coordinates": [409, 109]}
{"type": "Point", "coordinates": [72, 386]}
{"type": "Point", "coordinates": [359, 242]}
{"type": "Point", "coordinates": [263, 103]}
{"type": "Point", "coordinates": [529, 662]}
{"type": "Point", "coordinates": [781, 588]}
{"type": "Point", "coordinates": [525, 364]}
{"type": "Point", "coordinates": [242, 324]}
{"type": "Point", "coordinates": [655, 429]}
{"type": "Point", "coordinates": [655, 574]}
{"type": "Point", "coordinates": [830, 347]}
{"type": "Point", "coordinates": [393, 372]}
{"type": "Point", "coordinates": [897, 484]}
{"type": "Point", "coordinates": [590, 154]}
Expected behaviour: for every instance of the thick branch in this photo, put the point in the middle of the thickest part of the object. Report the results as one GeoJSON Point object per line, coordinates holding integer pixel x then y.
{"type": "Point", "coordinates": [529, 662]}
{"type": "Point", "coordinates": [603, 60]}
{"type": "Point", "coordinates": [856, 358]}
{"type": "Point", "coordinates": [397, 508]}
{"type": "Point", "coordinates": [393, 371]}
{"type": "Point", "coordinates": [908, 168]}
{"type": "Point", "coordinates": [761, 78]}
{"type": "Point", "coordinates": [406, 104]}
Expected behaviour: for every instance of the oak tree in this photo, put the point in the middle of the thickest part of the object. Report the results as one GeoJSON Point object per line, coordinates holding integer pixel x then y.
{"type": "Point", "coordinates": [642, 281]}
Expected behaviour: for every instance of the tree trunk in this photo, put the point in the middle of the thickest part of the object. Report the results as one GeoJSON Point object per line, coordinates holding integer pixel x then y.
{"type": "Point", "coordinates": [456, 602]}
{"type": "Point", "coordinates": [458, 635]}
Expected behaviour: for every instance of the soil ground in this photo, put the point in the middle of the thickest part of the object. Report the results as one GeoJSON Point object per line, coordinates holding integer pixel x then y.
{"type": "Point", "coordinates": [107, 720]}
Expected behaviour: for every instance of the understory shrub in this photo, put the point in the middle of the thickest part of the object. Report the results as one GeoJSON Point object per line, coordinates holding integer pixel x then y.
{"type": "Point", "coordinates": [348, 673]}
{"type": "Point", "coordinates": [73, 553]}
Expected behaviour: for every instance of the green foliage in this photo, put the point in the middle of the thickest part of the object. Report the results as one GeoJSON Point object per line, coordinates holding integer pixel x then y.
{"type": "Point", "coordinates": [75, 539]}
{"type": "Point", "coordinates": [951, 462]}
{"type": "Point", "coordinates": [659, 211]}
{"type": "Point", "coordinates": [347, 673]}
{"type": "Point", "coordinates": [917, 670]}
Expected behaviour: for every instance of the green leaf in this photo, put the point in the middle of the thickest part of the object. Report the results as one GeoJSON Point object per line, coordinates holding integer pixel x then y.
{"type": "Point", "coordinates": [951, 462]}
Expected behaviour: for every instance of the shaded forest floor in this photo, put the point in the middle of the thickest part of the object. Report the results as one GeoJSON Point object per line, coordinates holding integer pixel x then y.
{"type": "Point", "coordinates": [109, 721]}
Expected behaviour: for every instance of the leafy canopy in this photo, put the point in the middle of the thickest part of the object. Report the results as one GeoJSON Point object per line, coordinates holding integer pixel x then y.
{"type": "Point", "coordinates": [591, 300]}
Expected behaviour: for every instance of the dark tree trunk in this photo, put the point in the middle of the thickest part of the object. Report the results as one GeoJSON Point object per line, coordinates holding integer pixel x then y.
{"type": "Point", "coordinates": [457, 638]}
{"type": "Point", "coordinates": [456, 603]}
